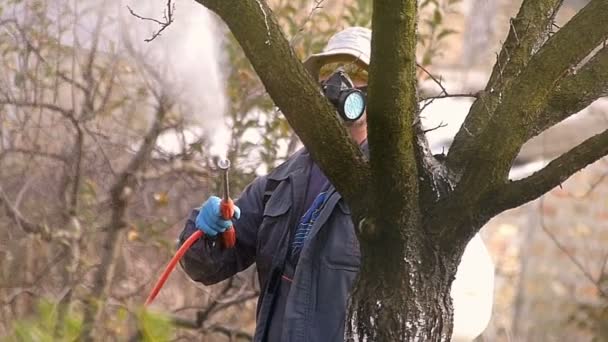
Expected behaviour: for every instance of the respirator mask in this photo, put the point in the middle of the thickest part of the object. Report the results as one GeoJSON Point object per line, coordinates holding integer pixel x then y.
{"type": "Point", "coordinates": [341, 92]}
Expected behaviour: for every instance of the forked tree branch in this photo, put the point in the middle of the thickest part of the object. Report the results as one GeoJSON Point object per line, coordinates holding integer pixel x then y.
{"type": "Point", "coordinates": [527, 32]}
{"type": "Point", "coordinates": [168, 18]}
{"type": "Point", "coordinates": [526, 97]}
{"type": "Point", "coordinates": [481, 159]}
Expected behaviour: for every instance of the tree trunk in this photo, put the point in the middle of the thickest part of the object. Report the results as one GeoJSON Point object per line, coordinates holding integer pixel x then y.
{"type": "Point", "coordinates": [403, 292]}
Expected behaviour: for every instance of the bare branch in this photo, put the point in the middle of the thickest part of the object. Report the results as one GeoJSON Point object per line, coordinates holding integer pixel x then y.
{"type": "Point", "coordinates": [168, 19]}
{"type": "Point", "coordinates": [445, 96]}
{"type": "Point", "coordinates": [437, 81]}
{"type": "Point", "coordinates": [22, 222]}
{"type": "Point", "coordinates": [36, 153]}
{"type": "Point", "coordinates": [120, 193]}
{"type": "Point", "coordinates": [441, 125]}
{"type": "Point", "coordinates": [67, 113]}
{"type": "Point", "coordinates": [36, 50]}
{"type": "Point", "coordinates": [430, 99]}
{"type": "Point", "coordinates": [230, 332]}
{"type": "Point", "coordinates": [519, 192]}
{"type": "Point", "coordinates": [563, 249]}
{"type": "Point", "coordinates": [318, 4]}
{"type": "Point", "coordinates": [101, 149]}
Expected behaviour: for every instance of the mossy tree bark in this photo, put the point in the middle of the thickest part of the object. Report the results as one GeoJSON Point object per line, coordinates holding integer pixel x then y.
{"type": "Point", "coordinates": [414, 214]}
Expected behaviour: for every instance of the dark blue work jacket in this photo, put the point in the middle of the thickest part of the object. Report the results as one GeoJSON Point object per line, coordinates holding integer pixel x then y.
{"type": "Point", "coordinates": [315, 308]}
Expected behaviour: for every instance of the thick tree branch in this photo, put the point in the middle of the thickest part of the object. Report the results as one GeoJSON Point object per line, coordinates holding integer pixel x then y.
{"type": "Point", "coordinates": [556, 172]}
{"type": "Point", "coordinates": [295, 93]}
{"type": "Point", "coordinates": [577, 91]}
{"type": "Point", "coordinates": [466, 215]}
{"type": "Point", "coordinates": [529, 29]}
{"type": "Point", "coordinates": [490, 159]}
{"type": "Point", "coordinates": [391, 116]}
{"type": "Point", "coordinates": [481, 161]}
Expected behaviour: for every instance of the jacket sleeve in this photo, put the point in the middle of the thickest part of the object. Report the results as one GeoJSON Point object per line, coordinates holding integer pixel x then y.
{"type": "Point", "coordinates": [206, 261]}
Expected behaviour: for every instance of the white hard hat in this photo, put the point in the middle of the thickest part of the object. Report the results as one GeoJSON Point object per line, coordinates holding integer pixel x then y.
{"type": "Point", "coordinates": [350, 44]}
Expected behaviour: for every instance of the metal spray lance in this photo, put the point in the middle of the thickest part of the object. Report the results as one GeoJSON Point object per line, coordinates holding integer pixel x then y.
{"type": "Point", "coordinates": [227, 238]}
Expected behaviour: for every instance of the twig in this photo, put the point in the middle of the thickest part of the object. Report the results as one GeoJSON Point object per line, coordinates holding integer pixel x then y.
{"type": "Point", "coordinates": [444, 91]}
{"type": "Point", "coordinates": [167, 16]}
{"type": "Point", "coordinates": [230, 332]}
{"type": "Point", "coordinates": [203, 315]}
{"type": "Point", "coordinates": [428, 103]}
{"type": "Point", "coordinates": [318, 4]}
{"type": "Point", "coordinates": [564, 250]}
{"type": "Point", "coordinates": [441, 125]}
{"type": "Point", "coordinates": [49, 155]}
{"type": "Point", "coordinates": [444, 96]}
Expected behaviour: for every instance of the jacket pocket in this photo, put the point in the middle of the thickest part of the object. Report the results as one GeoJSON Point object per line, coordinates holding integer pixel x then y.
{"type": "Point", "coordinates": [341, 244]}
{"type": "Point", "coordinates": [274, 225]}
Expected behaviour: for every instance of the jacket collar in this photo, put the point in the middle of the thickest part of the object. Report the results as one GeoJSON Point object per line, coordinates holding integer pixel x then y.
{"type": "Point", "coordinates": [299, 162]}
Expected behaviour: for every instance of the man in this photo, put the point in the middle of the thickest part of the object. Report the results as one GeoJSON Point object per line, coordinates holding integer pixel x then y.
{"type": "Point", "coordinates": [294, 225]}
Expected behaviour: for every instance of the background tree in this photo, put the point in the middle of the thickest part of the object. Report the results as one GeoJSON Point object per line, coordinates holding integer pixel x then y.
{"type": "Point", "coordinates": [413, 213]}
{"type": "Point", "coordinates": [90, 199]}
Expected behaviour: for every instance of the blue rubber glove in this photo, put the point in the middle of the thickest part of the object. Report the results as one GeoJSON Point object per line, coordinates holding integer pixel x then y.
{"type": "Point", "coordinates": [209, 219]}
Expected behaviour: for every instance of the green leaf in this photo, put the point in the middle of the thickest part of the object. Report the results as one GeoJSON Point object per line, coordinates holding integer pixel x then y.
{"type": "Point", "coordinates": [154, 327]}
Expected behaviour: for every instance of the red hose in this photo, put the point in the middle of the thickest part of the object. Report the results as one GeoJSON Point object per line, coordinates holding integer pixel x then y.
{"type": "Point", "coordinates": [176, 258]}
{"type": "Point", "coordinates": [228, 240]}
